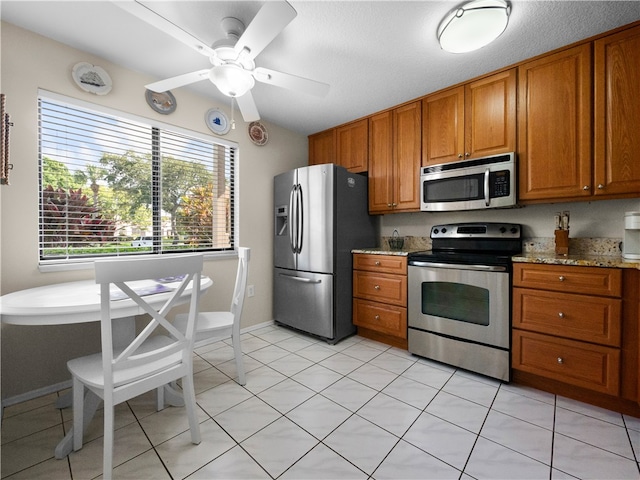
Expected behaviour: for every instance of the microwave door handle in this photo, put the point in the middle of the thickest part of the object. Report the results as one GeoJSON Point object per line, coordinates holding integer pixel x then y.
{"type": "Point", "coordinates": [487, 200]}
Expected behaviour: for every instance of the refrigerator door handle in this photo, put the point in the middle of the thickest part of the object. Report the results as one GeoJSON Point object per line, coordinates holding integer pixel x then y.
{"type": "Point", "coordinates": [300, 279]}
{"type": "Point", "coordinates": [300, 219]}
{"type": "Point", "coordinates": [292, 219]}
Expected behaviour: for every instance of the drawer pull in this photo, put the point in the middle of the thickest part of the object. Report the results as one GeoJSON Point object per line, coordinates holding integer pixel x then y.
{"type": "Point", "coordinates": [561, 278]}
{"type": "Point", "coordinates": [377, 263]}
{"type": "Point", "coordinates": [377, 287]}
{"type": "Point", "coordinates": [561, 315]}
{"type": "Point", "coordinates": [560, 360]}
{"type": "Point", "coordinates": [377, 317]}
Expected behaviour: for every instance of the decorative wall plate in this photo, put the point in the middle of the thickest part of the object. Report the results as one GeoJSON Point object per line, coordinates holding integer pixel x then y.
{"type": "Point", "coordinates": [217, 121]}
{"type": "Point", "coordinates": [91, 78]}
{"type": "Point", "coordinates": [164, 103]}
{"type": "Point", "coordinates": [258, 133]}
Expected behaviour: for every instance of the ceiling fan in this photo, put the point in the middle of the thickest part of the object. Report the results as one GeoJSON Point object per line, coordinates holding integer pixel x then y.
{"type": "Point", "coordinates": [233, 69]}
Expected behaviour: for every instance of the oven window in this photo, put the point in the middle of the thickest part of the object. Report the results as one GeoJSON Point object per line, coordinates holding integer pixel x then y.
{"type": "Point", "coordinates": [456, 301]}
{"type": "Point", "coordinates": [468, 187]}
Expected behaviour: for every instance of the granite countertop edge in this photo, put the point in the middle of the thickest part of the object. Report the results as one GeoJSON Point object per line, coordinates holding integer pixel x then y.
{"type": "Point", "coordinates": [549, 258]}
{"type": "Point", "coordinates": [386, 251]}
{"type": "Point", "coordinates": [583, 260]}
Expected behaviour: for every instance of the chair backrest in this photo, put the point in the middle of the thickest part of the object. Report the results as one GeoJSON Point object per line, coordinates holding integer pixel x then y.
{"type": "Point", "coordinates": [241, 281]}
{"type": "Point", "coordinates": [155, 285]}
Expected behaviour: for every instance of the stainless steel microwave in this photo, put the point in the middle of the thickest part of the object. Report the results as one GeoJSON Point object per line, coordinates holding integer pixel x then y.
{"type": "Point", "coordinates": [488, 182]}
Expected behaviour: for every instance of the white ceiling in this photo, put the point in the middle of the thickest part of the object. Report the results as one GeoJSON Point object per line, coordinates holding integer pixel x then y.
{"type": "Point", "coordinates": [374, 54]}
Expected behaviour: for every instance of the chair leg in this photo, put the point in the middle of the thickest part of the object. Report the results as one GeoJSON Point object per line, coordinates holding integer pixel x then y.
{"type": "Point", "coordinates": [78, 413]}
{"type": "Point", "coordinates": [160, 403]}
{"type": "Point", "coordinates": [188, 390]}
{"type": "Point", "coordinates": [237, 351]}
{"type": "Point", "coordinates": [107, 453]}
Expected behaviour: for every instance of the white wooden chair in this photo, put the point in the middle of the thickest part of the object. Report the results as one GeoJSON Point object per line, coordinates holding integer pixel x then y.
{"type": "Point", "coordinates": [212, 326]}
{"type": "Point", "coordinates": [158, 355]}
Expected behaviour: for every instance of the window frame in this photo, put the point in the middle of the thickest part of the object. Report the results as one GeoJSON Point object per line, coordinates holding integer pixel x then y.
{"type": "Point", "coordinates": [79, 263]}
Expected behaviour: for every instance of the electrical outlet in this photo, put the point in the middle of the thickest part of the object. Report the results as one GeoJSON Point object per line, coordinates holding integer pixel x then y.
{"type": "Point", "coordinates": [250, 291]}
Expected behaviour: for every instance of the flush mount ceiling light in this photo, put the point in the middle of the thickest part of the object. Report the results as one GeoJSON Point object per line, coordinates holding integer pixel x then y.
{"type": "Point", "coordinates": [473, 25]}
{"type": "Point", "coordinates": [231, 79]}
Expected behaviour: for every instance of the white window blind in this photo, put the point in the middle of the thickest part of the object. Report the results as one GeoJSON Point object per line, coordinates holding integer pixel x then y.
{"type": "Point", "coordinates": [117, 185]}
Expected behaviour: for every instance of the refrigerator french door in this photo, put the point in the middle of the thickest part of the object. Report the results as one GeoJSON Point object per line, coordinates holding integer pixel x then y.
{"type": "Point", "coordinates": [321, 214]}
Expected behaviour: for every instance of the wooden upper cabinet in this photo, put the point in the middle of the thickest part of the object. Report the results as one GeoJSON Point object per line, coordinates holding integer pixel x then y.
{"type": "Point", "coordinates": [554, 126]}
{"type": "Point", "coordinates": [443, 127]}
{"type": "Point", "coordinates": [322, 147]}
{"type": "Point", "coordinates": [617, 113]}
{"type": "Point", "coordinates": [470, 121]}
{"type": "Point", "coordinates": [394, 160]}
{"type": "Point", "coordinates": [407, 154]}
{"type": "Point", "coordinates": [381, 162]}
{"type": "Point", "coordinates": [490, 115]}
{"type": "Point", "coordinates": [352, 145]}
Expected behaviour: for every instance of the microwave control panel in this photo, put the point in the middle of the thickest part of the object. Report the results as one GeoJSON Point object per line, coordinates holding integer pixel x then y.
{"type": "Point", "coordinates": [499, 184]}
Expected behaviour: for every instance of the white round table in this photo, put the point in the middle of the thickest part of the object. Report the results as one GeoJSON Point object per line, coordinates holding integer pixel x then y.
{"type": "Point", "coordinates": [79, 302]}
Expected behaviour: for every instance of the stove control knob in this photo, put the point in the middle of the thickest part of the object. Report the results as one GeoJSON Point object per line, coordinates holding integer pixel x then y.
{"type": "Point", "coordinates": [514, 229]}
{"type": "Point", "coordinates": [503, 229]}
{"type": "Point", "coordinates": [436, 231]}
{"type": "Point", "coordinates": [444, 230]}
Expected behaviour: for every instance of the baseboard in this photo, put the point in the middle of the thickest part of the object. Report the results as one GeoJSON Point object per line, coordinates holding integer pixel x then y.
{"type": "Point", "coordinates": [40, 392]}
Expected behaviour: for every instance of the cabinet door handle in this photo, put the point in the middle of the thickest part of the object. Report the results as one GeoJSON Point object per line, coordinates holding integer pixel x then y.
{"type": "Point", "coordinates": [560, 360]}
{"type": "Point", "coordinates": [561, 278]}
{"type": "Point", "coordinates": [459, 155]}
{"type": "Point", "coordinates": [467, 154]}
{"type": "Point", "coordinates": [586, 187]}
{"type": "Point", "coordinates": [377, 287]}
{"type": "Point", "coordinates": [600, 186]}
{"type": "Point", "coordinates": [377, 317]}
{"type": "Point", "coordinates": [561, 315]}
{"type": "Point", "coordinates": [377, 263]}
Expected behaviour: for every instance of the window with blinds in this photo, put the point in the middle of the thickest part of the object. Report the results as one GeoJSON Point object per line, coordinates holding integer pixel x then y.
{"type": "Point", "coordinates": [112, 184]}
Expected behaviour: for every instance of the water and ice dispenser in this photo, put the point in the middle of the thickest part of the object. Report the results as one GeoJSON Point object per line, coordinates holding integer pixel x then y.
{"type": "Point", "coordinates": [282, 218]}
{"type": "Point", "coordinates": [631, 244]}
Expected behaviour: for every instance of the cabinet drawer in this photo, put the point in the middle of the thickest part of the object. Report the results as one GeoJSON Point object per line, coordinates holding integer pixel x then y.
{"type": "Point", "coordinates": [581, 364]}
{"type": "Point", "coordinates": [579, 317]}
{"type": "Point", "coordinates": [380, 263]}
{"type": "Point", "coordinates": [389, 319]}
{"type": "Point", "coordinates": [570, 279]}
{"type": "Point", "coordinates": [380, 287]}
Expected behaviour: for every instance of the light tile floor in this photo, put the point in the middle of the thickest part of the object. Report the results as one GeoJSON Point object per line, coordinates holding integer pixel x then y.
{"type": "Point", "coordinates": [355, 410]}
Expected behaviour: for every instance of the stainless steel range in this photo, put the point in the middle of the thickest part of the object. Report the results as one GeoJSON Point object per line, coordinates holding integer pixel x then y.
{"type": "Point", "coordinates": [460, 296]}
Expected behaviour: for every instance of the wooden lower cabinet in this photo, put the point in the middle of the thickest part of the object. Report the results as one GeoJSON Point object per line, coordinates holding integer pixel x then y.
{"type": "Point", "coordinates": [577, 363]}
{"type": "Point", "coordinates": [575, 333]}
{"type": "Point", "coordinates": [380, 297]}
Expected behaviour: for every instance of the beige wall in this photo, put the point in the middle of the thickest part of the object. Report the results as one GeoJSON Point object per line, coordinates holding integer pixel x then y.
{"type": "Point", "coordinates": [35, 357]}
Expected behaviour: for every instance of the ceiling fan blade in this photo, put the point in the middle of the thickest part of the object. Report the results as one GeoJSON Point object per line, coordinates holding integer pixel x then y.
{"type": "Point", "coordinates": [178, 81]}
{"type": "Point", "coordinates": [248, 108]}
{"type": "Point", "coordinates": [266, 25]}
{"type": "Point", "coordinates": [163, 24]}
{"type": "Point", "coordinates": [291, 82]}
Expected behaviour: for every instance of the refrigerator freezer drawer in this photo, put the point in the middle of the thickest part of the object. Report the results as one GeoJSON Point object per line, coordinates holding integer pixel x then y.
{"type": "Point", "coordinates": [304, 300]}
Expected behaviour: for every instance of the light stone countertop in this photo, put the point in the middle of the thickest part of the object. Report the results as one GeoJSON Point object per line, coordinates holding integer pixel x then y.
{"type": "Point", "coordinates": [586, 252]}
{"type": "Point", "coordinates": [580, 259]}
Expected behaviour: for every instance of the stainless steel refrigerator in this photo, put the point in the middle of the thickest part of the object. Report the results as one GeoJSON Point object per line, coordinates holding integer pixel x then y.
{"type": "Point", "coordinates": [320, 214]}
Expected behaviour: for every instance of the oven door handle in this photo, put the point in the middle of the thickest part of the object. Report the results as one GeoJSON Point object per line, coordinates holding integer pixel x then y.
{"type": "Point", "coordinates": [457, 266]}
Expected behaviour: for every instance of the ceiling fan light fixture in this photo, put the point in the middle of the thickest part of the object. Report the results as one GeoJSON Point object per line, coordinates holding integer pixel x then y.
{"type": "Point", "coordinates": [473, 25]}
{"type": "Point", "coordinates": [231, 80]}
